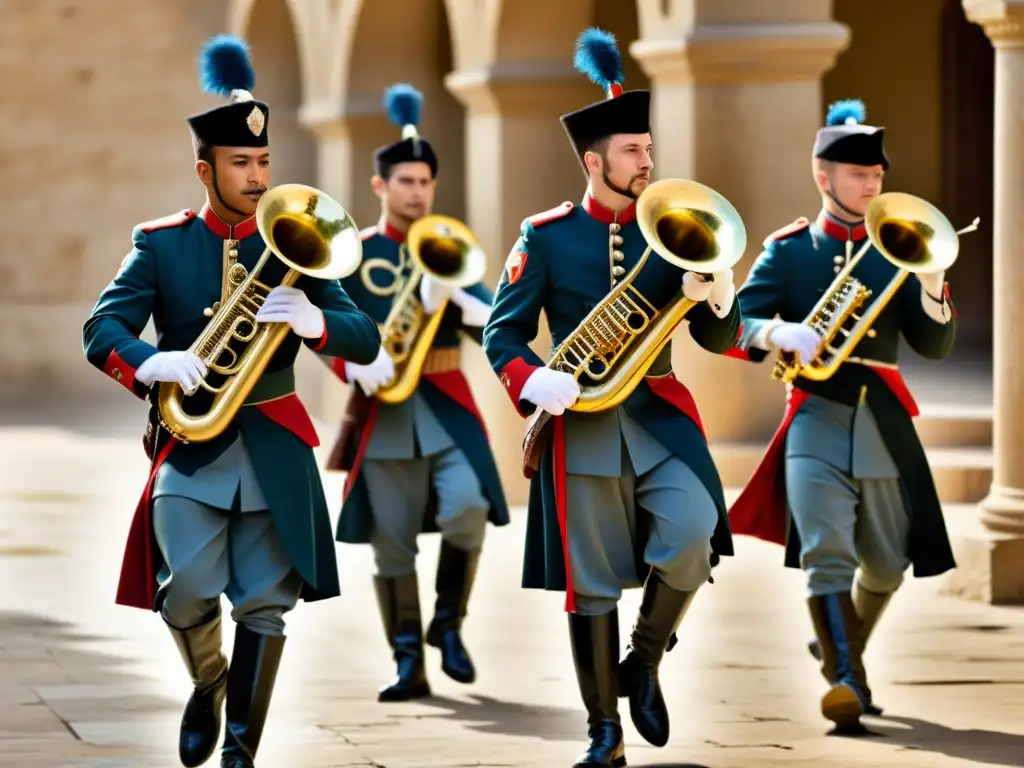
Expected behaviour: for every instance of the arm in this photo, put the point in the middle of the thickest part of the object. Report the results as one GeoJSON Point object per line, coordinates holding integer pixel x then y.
{"type": "Point", "coordinates": [715, 322]}
{"type": "Point", "coordinates": [349, 333]}
{"type": "Point", "coordinates": [474, 304]}
{"type": "Point", "coordinates": [110, 337]}
{"type": "Point", "coordinates": [760, 299]}
{"type": "Point", "coordinates": [927, 320]}
{"type": "Point", "coordinates": [515, 313]}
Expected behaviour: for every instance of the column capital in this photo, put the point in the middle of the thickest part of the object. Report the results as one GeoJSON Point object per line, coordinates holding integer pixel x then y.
{"type": "Point", "coordinates": [520, 88]}
{"type": "Point", "coordinates": [743, 53]}
{"type": "Point", "coordinates": [1002, 20]}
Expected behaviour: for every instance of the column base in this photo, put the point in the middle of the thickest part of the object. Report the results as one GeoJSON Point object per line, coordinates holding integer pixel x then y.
{"type": "Point", "coordinates": [989, 550]}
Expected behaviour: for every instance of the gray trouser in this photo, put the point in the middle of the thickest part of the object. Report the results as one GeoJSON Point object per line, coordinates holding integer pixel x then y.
{"type": "Point", "coordinates": [846, 523]}
{"type": "Point", "coordinates": [209, 552]}
{"type": "Point", "coordinates": [601, 522]}
{"type": "Point", "coordinates": [399, 489]}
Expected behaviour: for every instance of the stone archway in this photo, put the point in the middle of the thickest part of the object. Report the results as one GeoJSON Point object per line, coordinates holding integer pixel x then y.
{"type": "Point", "coordinates": [402, 41]}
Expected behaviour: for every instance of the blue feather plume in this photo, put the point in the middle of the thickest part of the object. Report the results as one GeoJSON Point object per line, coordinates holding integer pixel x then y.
{"type": "Point", "coordinates": [598, 57]}
{"type": "Point", "coordinates": [841, 112]}
{"type": "Point", "coordinates": [224, 66]}
{"type": "Point", "coordinates": [403, 104]}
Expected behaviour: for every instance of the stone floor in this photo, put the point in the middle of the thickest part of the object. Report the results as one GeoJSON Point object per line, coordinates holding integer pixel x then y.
{"type": "Point", "coordinates": [86, 683]}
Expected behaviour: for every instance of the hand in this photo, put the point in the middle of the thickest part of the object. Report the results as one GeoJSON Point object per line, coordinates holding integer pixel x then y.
{"type": "Point", "coordinates": [552, 391]}
{"type": "Point", "coordinates": [182, 368]}
{"type": "Point", "coordinates": [285, 304]}
{"type": "Point", "coordinates": [474, 311]}
{"type": "Point", "coordinates": [433, 294]}
{"type": "Point", "coordinates": [371, 377]}
{"type": "Point", "coordinates": [933, 284]}
{"type": "Point", "coordinates": [722, 295]}
{"type": "Point", "coordinates": [696, 287]}
{"type": "Point", "coordinates": [797, 338]}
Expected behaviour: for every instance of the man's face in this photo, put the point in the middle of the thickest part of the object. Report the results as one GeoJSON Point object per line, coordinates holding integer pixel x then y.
{"type": "Point", "coordinates": [242, 176]}
{"type": "Point", "coordinates": [855, 186]}
{"type": "Point", "coordinates": [408, 192]}
{"type": "Point", "coordinates": [626, 163]}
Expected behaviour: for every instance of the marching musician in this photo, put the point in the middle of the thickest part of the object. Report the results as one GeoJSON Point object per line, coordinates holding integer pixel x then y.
{"type": "Point", "coordinates": [423, 464]}
{"type": "Point", "coordinates": [846, 460]}
{"type": "Point", "coordinates": [628, 496]}
{"type": "Point", "coordinates": [243, 514]}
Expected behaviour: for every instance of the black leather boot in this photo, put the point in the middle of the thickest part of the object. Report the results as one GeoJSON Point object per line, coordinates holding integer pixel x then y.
{"type": "Point", "coordinates": [456, 570]}
{"type": "Point", "coordinates": [399, 601]}
{"type": "Point", "coordinates": [595, 652]}
{"type": "Point", "coordinates": [839, 636]}
{"type": "Point", "coordinates": [251, 677]}
{"type": "Point", "coordinates": [661, 611]}
{"type": "Point", "coordinates": [200, 649]}
{"type": "Point", "coordinates": [869, 606]}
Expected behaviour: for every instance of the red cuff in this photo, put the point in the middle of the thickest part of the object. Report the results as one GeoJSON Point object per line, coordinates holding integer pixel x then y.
{"type": "Point", "coordinates": [323, 337]}
{"type": "Point", "coordinates": [736, 352]}
{"type": "Point", "coordinates": [338, 366]}
{"type": "Point", "coordinates": [121, 372]}
{"type": "Point", "coordinates": [513, 378]}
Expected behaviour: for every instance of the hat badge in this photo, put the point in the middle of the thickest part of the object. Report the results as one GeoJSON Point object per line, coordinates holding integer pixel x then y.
{"type": "Point", "coordinates": [255, 121]}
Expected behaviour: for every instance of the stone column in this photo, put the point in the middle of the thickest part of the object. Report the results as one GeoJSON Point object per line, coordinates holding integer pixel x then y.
{"type": "Point", "coordinates": [523, 165]}
{"type": "Point", "coordinates": [737, 99]}
{"type": "Point", "coordinates": [990, 549]}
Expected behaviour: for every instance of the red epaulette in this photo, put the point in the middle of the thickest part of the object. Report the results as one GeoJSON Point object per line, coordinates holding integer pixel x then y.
{"type": "Point", "coordinates": [366, 234]}
{"type": "Point", "coordinates": [539, 219]}
{"type": "Point", "coordinates": [166, 222]}
{"type": "Point", "coordinates": [790, 229]}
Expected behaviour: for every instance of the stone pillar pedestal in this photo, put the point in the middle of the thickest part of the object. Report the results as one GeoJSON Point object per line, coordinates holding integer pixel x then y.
{"type": "Point", "coordinates": [512, 121]}
{"type": "Point", "coordinates": [990, 549]}
{"type": "Point", "coordinates": [736, 102]}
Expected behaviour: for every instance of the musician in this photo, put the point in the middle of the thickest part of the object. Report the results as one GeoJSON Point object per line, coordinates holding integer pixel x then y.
{"type": "Point", "coordinates": [243, 514]}
{"type": "Point", "coordinates": [854, 475]}
{"type": "Point", "coordinates": [424, 464]}
{"type": "Point", "coordinates": [628, 496]}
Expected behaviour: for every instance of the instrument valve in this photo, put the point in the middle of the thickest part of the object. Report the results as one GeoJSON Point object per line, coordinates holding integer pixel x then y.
{"type": "Point", "coordinates": [211, 311]}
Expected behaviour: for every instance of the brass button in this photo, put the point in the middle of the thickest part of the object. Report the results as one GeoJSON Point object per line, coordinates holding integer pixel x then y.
{"type": "Point", "coordinates": [233, 253]}
{"type": "Point", "coordinates": [617, 271]}
{"type": "Point", "coordinates": [616, 239]}
{"type": "Point", "coordinates": [116, 373]}
{"type": "Point", "coordinates": [614, 228]}
{"type": "Point", "coordinates": [617, 255]}
{"type": "Point", "coordinates": [838, 259]}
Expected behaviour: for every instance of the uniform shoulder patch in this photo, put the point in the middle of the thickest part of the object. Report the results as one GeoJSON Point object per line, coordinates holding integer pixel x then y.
{"type": "Point", "coordinates": [167, 222]}
{"type": "Point", "coordinates": [789, 230]}
{"type": "Point", "coordinates": [366, 234]}
{"type": "Point", "coordinates": [515, 264]}
{"type": "Point", "coordinates": [545, 217]}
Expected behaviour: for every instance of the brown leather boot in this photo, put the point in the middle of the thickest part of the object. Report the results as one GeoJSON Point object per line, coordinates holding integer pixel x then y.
{"type": "Point", "coordinates": [838, 629]}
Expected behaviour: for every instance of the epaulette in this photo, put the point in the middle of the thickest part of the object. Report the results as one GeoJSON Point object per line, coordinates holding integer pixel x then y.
{"type": "Point", "coordinates": [788, 231]}
{"type": "Point", "coordinates": [366, 234]}
{"type": "Point", "coordinates": [540, 219]}
{"type": "Point", "coordinates": [166, 222]}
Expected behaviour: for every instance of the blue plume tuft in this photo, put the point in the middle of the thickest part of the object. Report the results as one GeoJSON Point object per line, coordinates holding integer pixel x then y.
{"type": "Point", "coordinates": [224, 66]}
{"type": "Point", "coordinates": [403, 104]}
{"type": "Point", "coordinates": [598, 57]}
{"type": "Point", "coordinates": [841, 112]}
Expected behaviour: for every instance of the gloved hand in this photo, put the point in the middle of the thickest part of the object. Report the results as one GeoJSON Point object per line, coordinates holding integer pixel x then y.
{"type": "Point", "coordinates": [433, 294]}
{"type": "Point", "coordinates": [797, 338]}
{"type": "Point", "coordinates": [552, 391]}
{"type": "Point", "coordinates": [371, 377]}
{"type": "Point", "coordinates": [182, 368]}
{"type": "Point", "coordinates": [696, 287]}
{"type": "Point", "coordinates": [286, 304]}
{"type": "Point", "coordinates": [474, 311]}
{"type": "Point", "coordinates": [722, 295]}
{"type": "Point", "coordinates": [933, 284]}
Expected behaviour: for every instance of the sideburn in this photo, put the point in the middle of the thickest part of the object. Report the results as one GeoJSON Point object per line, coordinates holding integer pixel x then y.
{"type": "Point", "coordinates": [220, 197]}
{"type": "Point", "coordinates": [609, 183]}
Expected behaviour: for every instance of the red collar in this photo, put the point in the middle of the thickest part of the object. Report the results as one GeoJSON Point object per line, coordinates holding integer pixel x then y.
{"type": "Point", "coordinates": [221, 228]}
{"type": "Point", "coordinates": [384, 228]}
{"type": "Point", "coordinates": [840, 231]}
{"type": "Point", "coordinates": [607, 215]}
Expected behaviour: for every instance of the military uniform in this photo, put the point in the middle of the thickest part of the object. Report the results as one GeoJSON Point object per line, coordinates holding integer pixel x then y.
{"type": "Point", "coordinates": [422, 465]}
{"type": "Point", "coordinates": [845, 483]}
{"type": "Point", "coordinates": [625, 497]}
{"type": "Point", "coordinates": [243, 514]}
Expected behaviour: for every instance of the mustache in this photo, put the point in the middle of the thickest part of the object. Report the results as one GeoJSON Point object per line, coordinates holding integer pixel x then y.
{"type": "Point", "coordinates": [255, 190]}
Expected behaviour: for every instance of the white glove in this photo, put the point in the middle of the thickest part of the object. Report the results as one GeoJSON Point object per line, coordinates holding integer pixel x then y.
{"type": "Point", "coordinates": [932, 288]}
{"type": "Point", "coordinates": [932, 283]}
{"type": "Point", "coordinates": [695, 287]}
{"type": "Point", "coordinates": [433, 294]}
{"type": "Point", "coordinates": [474, 311]}
{"type": "Point", "coordinates": [722, 295]}
{"type": "Point", "coordinates": [552, 391]}
{"type": "Point", "coordinates": [182, 368]}
{"type": "Point", "coordinates": [800, 339]}
{"type": "Point", "coordinates": [285, 304]}
{"type": "Point", "coordinates": [371, 377]}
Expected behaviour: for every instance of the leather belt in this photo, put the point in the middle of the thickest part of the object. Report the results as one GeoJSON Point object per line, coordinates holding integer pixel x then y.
{"type": "Point", "coordinates": [442, 360]}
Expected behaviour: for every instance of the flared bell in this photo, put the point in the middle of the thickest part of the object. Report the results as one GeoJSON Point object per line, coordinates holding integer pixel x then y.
{"type": "Point", "coordinates": [447, 250]}
{"type": "Point", "coordinates": [911, 233]}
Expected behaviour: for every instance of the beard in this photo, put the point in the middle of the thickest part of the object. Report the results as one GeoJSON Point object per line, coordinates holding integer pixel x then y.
{"type": "Point", "coordinates": [626, 191]}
